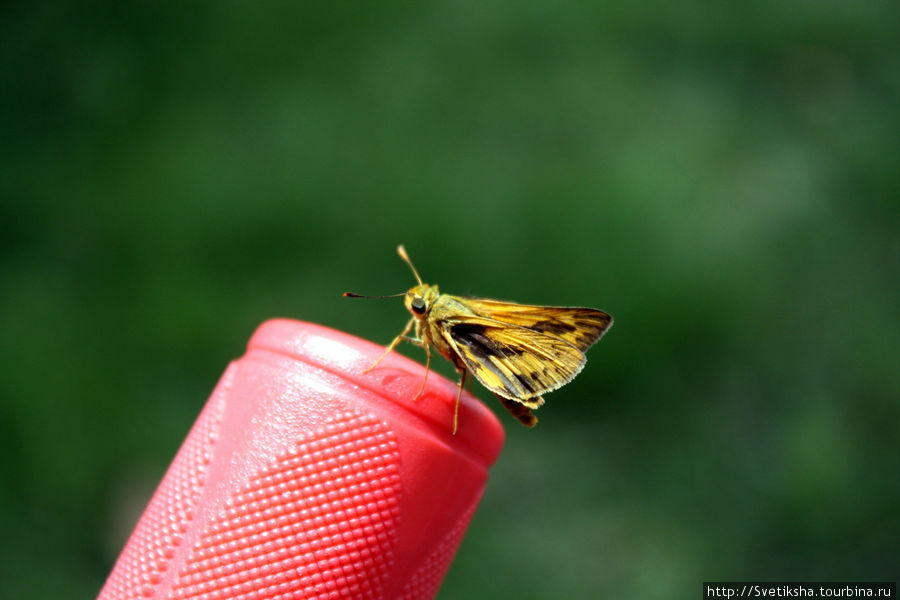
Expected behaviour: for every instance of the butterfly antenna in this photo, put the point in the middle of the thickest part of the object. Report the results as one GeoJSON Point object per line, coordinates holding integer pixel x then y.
{"type": "Point", "coordinates": [352, 295]}
{"type": "Point", "coordinates": [402, 252]}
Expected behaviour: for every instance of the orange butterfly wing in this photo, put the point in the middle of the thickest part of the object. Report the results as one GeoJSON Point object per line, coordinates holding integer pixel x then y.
{"type": "Point", "coordinates": [579, 326]}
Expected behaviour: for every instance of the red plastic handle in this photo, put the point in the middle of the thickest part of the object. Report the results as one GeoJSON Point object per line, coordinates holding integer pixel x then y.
{"type": "Point", "coordinates": [305, 478]}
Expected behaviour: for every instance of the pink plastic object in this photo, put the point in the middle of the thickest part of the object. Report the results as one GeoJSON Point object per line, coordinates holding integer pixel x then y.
{"type": "Point", "coordinates": [305, 478]}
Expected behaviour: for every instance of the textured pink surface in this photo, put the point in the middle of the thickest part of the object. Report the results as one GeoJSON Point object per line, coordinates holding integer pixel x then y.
{"type": "Point", "coordinates": [304, 478]}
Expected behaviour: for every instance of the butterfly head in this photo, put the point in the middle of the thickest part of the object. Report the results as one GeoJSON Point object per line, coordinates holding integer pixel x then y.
{"type": "Point", "coordinates": [419, 299]}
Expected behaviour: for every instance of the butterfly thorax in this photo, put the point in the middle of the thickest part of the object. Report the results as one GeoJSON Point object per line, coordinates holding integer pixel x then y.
{"type": "Point", "coordinates": [433, 312]}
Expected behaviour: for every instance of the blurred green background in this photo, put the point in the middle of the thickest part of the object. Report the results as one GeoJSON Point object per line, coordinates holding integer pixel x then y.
{"type": "Point", "coordinates": [723, 178]}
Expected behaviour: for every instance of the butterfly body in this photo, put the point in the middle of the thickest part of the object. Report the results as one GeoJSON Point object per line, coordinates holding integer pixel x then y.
{"type": "Point", "coordinates": [519, 352]}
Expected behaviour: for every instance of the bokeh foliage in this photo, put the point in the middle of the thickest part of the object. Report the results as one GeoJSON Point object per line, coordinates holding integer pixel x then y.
{"type": "Point", "coordinates": [721, 177]}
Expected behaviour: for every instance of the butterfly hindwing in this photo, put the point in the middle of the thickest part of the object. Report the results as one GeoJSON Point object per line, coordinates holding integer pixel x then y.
{"type": "Point", "coordinates": [514, 362]}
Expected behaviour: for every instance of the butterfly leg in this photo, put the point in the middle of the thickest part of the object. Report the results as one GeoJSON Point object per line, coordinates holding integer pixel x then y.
{"type": "Point", "coordinates": [427, 366]}
{"type": "Point", "coordinates": [462, 383]}
{"type": "Point", "coordinates": [394, 343]}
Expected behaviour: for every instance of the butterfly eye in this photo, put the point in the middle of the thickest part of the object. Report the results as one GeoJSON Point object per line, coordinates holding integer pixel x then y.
{"type": "Point", "coordinates": [418, 305]}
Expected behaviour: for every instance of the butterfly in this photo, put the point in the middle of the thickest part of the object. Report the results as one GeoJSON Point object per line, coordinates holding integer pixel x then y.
{"type": "Point", "coordinates": [518, 352]}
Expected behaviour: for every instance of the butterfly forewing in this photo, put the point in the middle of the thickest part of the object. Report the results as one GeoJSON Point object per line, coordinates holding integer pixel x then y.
{"type": "Point", "coordinates": [581, 327]}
